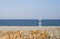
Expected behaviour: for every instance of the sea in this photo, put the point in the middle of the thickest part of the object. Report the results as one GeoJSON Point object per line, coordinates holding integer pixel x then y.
{"type": "Point", "coordinates": [19, 22]}
{"type": "Point", "coordinates": [29, 22]}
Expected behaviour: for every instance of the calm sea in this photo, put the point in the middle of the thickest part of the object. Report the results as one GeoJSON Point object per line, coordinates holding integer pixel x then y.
{"type": "Point", "coordinates": [32, 22]}
{"type": "Point", "coordinates": [50, 22]}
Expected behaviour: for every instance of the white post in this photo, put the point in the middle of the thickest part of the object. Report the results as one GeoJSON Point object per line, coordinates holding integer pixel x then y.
{"type": "Point", "coordinates": [39, 22]}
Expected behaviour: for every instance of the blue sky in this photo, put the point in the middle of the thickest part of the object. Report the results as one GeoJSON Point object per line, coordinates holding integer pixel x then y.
{"type": "Point", "coordinates": [29, 9]}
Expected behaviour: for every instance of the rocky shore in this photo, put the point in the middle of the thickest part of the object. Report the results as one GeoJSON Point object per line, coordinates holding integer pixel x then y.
{"type": "Point", "coordinates": [38, 32]}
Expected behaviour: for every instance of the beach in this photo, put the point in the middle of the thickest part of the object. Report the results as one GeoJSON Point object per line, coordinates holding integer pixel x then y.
{"type": "Point", "coordinates": [53, 31]}
{"type": "Point", "coordinates": [9, 28]}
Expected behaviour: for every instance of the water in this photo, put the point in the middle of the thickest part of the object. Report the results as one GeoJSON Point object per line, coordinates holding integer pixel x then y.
{"type": "Point", "coordinates": [33, 22]}
{"type": "Point", "coordinates": [50, 22]}
{"type": "Point", "coordinates": [30, 22]}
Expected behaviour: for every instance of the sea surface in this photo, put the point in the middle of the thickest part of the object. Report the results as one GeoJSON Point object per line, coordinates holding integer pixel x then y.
{"type": "Point", "coordinates": [30, 22]}
{"type": "Point", "coordinates": [19, 22]}
{"type": "Point", "coordinates": [50, 22]}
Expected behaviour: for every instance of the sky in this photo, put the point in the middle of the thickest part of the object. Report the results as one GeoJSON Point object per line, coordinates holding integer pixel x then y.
{"type": "Point", "coordinates": [29, 9]}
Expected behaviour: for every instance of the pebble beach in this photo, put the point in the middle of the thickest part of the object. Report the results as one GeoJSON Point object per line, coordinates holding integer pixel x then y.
{"type": "Point", "coordinates": [31, 32]}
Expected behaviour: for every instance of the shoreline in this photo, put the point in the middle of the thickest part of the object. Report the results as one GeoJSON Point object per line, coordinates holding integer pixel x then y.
{"type": "Point", "coordinates": [9, 28]}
